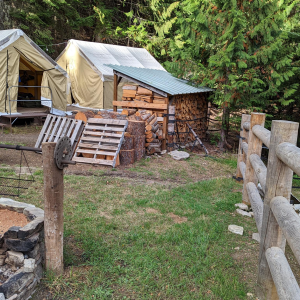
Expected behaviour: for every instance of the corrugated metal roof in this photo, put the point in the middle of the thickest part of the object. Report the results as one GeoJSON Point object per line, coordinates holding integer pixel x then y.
{"type": "Point", "coordinates": [101, 55]}
{"type": "Point", "coordinates": [160, 80]}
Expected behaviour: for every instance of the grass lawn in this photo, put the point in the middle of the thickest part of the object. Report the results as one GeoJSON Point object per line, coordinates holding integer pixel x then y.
{"type": "Point", "coordinates": [160, 233]}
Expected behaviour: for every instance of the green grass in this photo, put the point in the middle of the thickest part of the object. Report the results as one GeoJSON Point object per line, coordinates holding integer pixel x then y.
{"type": "Point", "coordinates": [121, 241]}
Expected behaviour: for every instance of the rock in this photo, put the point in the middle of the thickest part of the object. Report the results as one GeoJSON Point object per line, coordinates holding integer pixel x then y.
{"type": "Point", "coordinates": [179, 155]}
{"type": "Point", "coordinates": [29, 265]}
{"type": "Point", "coordinates": [237, 248]}
{"type": "Point", "coordinates": [236, 229]}
{"type": "Point", "coordinates": [31, 228]}
{"type": "Point", "coordinates": [255, 236]}
{"type": "Point", "coordinates": [12, 232]}
{"type": "Point", "coordinates": [22, 245]}
{"type": "Point", "coordinates": [15, 283]}
{"type": "Point", "coordinates": [14, 259]}
{"type": "Point", "coordinates": [3, 251]}
{"type": "Point", "coordinates": [33, 253]}
{"type": "Point", "coordinates": [33, 212]}
{"type": "Point", "coordinates": [243, 213]}
{"type": "Point", "coordinates": [249, 295]}
{"type": "Point", "coordinates": [242, 206]}
{"type": "Point", "coordinates": [2, 259]}
{"type": "Point", "coordinates": [163, 152]}
{"type": "Point", "coordinates": [252, 214]}
{"type": "Point", "coordinates": [14, 205]}
{"type": "Point", "coordinates": [2, 296]}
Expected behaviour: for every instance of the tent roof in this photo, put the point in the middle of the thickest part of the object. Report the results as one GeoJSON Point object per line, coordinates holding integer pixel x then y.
{"type": "Point", "coordinates": [160, 80]}
{"type": "Point", "coordinates": [8, 37]}
{"type": "Point", "coordinates": [100, 55]}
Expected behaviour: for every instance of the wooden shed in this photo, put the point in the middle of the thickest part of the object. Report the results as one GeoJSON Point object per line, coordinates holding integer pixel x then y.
{"type": "Point", "coordinates": [171, 99]}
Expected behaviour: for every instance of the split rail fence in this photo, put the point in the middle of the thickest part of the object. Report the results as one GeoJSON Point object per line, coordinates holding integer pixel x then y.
{"type": "Point", "coordinates": [276, 220]}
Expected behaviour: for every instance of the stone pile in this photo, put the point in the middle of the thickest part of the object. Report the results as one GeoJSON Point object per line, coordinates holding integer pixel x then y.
{"type": "Point", "coordinates": [21, 253]}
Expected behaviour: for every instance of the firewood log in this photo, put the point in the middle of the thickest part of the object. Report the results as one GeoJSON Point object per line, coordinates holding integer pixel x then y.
{"type": "Point", "coordinates": [145, 116]}
{"type": "Point", "coordinates": [150, 119]}
{"type": "Point", "coordinates": [139, 146]}
{"type": "Point", "coordinates": [84, 115]}
{"type": "Point", "coordinates": [152, 140]}
{"type": "Point", "coordinates": [127, 143]}
{"type": "Point", "coordinates": [153, 145]}
{"type": "Point", "coordinates": [153, 122]}
{"type": "Point", "coordinates": [136, 127]}
{"type": "Point", "coordinates": [126, 157]}
{"type": "Point", "coordinates": [151, 135]}
{"type": "Point", "coordinates": [128, 112]}
{"type": "Point", "coordinates": [140, 112]}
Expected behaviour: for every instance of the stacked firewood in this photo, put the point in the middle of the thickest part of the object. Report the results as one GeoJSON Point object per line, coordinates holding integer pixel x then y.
{"type": "Point", "coordinates": [133, 147]}
{"type": "Point", "coordinates": [191, 108]}
{"type": "Point", "coordinates": [138, 93]}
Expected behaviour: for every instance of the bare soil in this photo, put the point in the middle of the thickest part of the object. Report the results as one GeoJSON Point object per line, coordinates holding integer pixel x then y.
{"type": "Point", "coordinates": [10, 218]}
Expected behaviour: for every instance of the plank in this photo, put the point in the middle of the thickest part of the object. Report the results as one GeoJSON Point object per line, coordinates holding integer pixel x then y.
{"type": "Point", "coordinates": [54, 130]}
{"type": "Point", "coordinates": [97, 152]}
{"type": "Point", "coordinates": [41, 135]}
{"type": "Point", "coordinates": [96, 146]}
{"type": "Point", "coordinates": [48, 130]}
{"type": "Point", "coordinates": [94, 139]}
{"type": "Point", "coordinates": [93, 161]}
{"type": "Point", "coordinates": [79, 127]}
{"type": "Point", "coordinates": [116, 135]}
{"type": "Point", "coordinates": [140, 104]}
{"type": "Point", "coordinates": [106, 121]}
{"type": "Point", "coordinates": [60, 129]}
{"type": "Point", "coordinates": [103, 128]}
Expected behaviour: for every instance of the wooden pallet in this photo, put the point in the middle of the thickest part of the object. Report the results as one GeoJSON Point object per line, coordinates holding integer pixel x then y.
{"type": "Point", "coordinates": [56, 127]}
{"type": "Point", "coordinates": [102, 139]}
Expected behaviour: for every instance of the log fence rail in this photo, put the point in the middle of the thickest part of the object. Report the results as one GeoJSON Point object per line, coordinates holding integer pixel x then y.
{"type": "Point", "coordinates": [276, 220]}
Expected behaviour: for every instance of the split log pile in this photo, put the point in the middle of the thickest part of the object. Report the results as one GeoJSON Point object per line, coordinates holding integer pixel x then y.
{"type": "Point", "coordinates": [154, 118]}
{"type": "Point", "coordinates": [193, 109]}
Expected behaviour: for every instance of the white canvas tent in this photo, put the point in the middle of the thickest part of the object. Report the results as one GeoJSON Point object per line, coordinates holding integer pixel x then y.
{"type": "Point", "coordinates": [18, 53]}
{"type": "Point", "coordinates": [91, 80]}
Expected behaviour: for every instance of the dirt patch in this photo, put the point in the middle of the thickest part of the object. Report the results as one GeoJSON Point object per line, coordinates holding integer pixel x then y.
{"type": "Point", "coordinates": [152, 211]}
{"type": "Point", "coordinates": [10, 218]}
{"type": "Point", "coordinates": [105, 215]}
{"type": "Point", "coordinates": [177, 219]}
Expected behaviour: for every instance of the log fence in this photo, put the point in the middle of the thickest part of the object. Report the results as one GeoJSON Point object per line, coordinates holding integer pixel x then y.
{"type": "Point", "coordinates": [276, 220]}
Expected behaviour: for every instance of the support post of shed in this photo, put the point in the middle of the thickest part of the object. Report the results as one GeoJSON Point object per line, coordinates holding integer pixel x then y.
{"type": "Point", "coordinates": [53, 208]}
{"type": "Point", "coordinates": [115, 90]}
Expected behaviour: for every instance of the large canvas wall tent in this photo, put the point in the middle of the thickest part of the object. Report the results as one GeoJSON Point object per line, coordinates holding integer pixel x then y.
{"type": "Point", "coordinates": [23, 64]}
{"type": "Point", "coordinates": [91, 78]}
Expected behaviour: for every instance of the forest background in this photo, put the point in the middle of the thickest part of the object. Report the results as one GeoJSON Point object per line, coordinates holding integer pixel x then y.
{"type": "Point", "coordinates": [247, 50]}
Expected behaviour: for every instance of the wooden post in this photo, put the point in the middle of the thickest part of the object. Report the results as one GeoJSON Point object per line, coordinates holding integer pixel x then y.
{"type": "Point", "coordinates": [254, 147]}
{"type": "Point", "coordinates": [53, 206]}
{"type": "Point", "coordinates": [278, 183]}
{"type": "Point", "coordinates": [171, 127]}
{"type": "Point", "coordinates": [243, 134]}
{"type": "Point", "coordinates": [115, 90]}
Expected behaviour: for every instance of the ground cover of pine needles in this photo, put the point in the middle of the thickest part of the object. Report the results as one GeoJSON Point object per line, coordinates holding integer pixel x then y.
{"type": "Point", "coordinates": [127, 239]}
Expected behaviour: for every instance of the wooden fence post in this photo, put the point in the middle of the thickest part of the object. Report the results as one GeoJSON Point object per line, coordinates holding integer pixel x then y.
{"type": "Point", "coordinates": [254, 147]}
{"type": "Point", "coordinates": [243, 134]}
{"type": "Point", "coordinates": [53, 207]}
{"type": "Point", "coordinates": [278, 183]}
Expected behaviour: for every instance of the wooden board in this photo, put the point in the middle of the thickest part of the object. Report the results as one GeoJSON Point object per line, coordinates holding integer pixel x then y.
{"type": "Point", "coordinates": [139, 104]}
{"type": "Point", "coordinates": [101, 141]}
{"type": "Point", "coordinates": [56, 127]}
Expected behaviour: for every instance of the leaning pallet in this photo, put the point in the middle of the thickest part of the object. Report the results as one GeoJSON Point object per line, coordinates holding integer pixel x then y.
{"type": "Point", "coordinates": [56, 127]}
{"type": "Point", "coordinates": [103, 139]}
